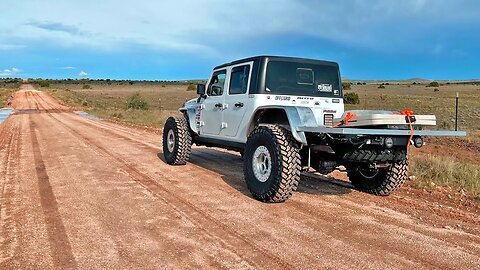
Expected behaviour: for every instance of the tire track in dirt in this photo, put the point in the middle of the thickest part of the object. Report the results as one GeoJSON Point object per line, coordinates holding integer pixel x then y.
{"type": "Point", "coordinates": [153, 149]}
{"type": "Point", "coordinates": [61, 249]}
{"type": "Point", "coordinates": [234, 241]}
{"type": "Point", "coordinates": [28, 99]}
{"type": "Point", "coordinates": [8, 225]}
{"type": "Point", "coordinates": [301, 209]}
{"type": "Point", "coordinates": [53, 108]}
{"type": "Point", "coordinates": [213, 158]}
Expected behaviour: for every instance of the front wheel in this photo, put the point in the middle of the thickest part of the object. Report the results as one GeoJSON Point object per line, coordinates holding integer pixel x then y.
{"type": "Point", "coordinates": [380, 181]}
{"type": "Point", "coordinates": [177, 140]}
{"type": "Point", "coordinates": [272, 164]}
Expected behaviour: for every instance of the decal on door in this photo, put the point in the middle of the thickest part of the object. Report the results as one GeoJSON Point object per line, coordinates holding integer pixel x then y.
{"type": "Point", "coordinates": [198, 112]}
{"type": "Point", "coordinates": [282, 98]}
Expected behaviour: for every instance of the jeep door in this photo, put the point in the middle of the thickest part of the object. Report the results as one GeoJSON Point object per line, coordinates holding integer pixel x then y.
{"type": "Point", "coordinates": [236, 99]}
{"type": "Point", "coordinates": [211, 113]}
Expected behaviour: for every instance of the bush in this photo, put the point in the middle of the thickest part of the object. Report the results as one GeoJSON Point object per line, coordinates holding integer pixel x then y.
{"type": "Point", "coordinates": [191, 87]}
{"type": "Point", "coordinates": [436, 90]}
{"type": "Point", "coordinates": [346, 85]}
{"type": "Point", "coordinates": [136, 101]}
{"type": "Point", "coordinates": [44, 84]}
{"type": "Point", "coordinates": [433, 84]}
{"type": "Point", "coordinates": [381, 86]}
{"type": "Point", "coordinates": [117, 115]}
{"type": "Point", "coordinates": [86, 86]}
{"type": "Point", "coordinates": [351, 98]}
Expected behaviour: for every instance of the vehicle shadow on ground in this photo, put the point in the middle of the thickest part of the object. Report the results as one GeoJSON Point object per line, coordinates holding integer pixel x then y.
{"type": "Point", "coordinates": [230, 166]}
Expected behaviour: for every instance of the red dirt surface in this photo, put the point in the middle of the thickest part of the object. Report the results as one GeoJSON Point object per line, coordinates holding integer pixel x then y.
{"type": "Point", "coordinates": [81, 193]}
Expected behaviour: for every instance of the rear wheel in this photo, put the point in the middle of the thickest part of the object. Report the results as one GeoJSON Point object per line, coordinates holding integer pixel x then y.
{"type": "Point", "coordinates": [177, 140]}
{"type": "Point", "coordinates": [272, 164]}
{"type": "Point", "coordinates": [379, 181]}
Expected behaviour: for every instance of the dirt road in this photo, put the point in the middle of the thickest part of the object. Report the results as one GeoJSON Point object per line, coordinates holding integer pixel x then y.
{"type": "Point", "coordinates": [81, 193]}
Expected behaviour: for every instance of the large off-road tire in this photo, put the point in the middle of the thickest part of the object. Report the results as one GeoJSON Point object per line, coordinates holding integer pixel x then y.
{"type": "Point", "coordinates": [271, 163]}
{"type": "Point", "coordinates": [380, 182]}
{"type": "Point", "coordinates": [177, 140]}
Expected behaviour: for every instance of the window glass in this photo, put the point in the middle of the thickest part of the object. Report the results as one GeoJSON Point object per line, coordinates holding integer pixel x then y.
{"type": "Point", "coordinates": [303, 79]}
{"type": "Point", "coordinates": [217, 83]}
{"type": "Point", "coordinates": [239, 80]}
{"type": "Point", "coordinates": [305, 76]}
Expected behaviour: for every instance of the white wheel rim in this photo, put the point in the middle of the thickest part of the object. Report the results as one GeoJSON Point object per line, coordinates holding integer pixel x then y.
{"type": "Point", "coordinates": [262, 163]}
{"type": "Point", "coordinates": [170, 140]}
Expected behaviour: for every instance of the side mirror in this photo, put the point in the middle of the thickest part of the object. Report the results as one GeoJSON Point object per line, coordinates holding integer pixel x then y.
{"type": "Point", "coordinates": [201, 89]}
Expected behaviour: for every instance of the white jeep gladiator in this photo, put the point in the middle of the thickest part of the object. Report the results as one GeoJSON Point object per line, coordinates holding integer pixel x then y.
{"type": "Point", "coordinates": [286, 115]}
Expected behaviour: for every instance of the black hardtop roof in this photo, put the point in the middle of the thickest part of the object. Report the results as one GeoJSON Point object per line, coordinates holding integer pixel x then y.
{"type": "Point", "coordinates": [280, 58]}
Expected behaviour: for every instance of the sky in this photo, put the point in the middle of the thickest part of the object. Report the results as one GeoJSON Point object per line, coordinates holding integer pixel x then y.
{"type": "Point", "coordinates": [176, 40]}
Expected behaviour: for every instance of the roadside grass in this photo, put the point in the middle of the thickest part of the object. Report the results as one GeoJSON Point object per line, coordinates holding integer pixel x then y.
{"type": "Point", "coordinates": [432, 170]}
{"type": "Point", "coordinates": [112, 101]}
{"type": "Point", "coordinates": [7, 87]}
{"type": "Point", "coordinates": [5, 93]}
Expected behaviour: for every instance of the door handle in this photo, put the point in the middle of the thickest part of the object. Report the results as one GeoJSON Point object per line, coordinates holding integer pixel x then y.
{"type": "Point", "coordinates": [239, 104]}
{"type": "Point", "coordinates": [218, 105]}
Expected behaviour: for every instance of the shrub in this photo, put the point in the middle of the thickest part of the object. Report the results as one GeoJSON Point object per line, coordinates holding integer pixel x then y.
{"type": "Point", "coordinates": [433, 84]}
{"type": "Point", "coordinates": [44, 84]}
{"type": "Point", "coordinates": [86, 86]}
{"type": "Point", "coordinates": [84, 102]}
{"type": "Point", "coordinates": [436, 90]}
{"type": "Point", "coordinates": [136, 101]}
{"type": "Point", "coordinates": [346, 85]}
{"type": "Point", "coordinates": [191, 87]}
{"type": "Point", "coordinates": [414, 83]}
{"type": "Point", "coordinates": [381, 86]}
{"type": "Point", "coordinates": [351, 98]}
{"type": "Point", "coordinates": [117, 115]}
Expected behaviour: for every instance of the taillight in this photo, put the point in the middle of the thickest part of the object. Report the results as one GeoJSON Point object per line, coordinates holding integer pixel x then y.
{"type": "Point", "coordinates": [328, 120]}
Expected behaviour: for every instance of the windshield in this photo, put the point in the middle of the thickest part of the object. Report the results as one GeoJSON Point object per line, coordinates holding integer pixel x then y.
{"type": "Point", "coordinates": [302, 79]}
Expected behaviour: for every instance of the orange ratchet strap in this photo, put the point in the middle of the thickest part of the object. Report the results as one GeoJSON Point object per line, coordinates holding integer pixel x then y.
{"type": "Point", "coordinates": [345, 120]}
{"type": "Point", "coordinates": [409, 113]}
